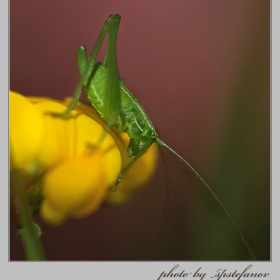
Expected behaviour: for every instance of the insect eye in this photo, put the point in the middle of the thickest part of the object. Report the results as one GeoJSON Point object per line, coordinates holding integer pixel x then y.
{"type": "Point", "coordinates": [153, 135]}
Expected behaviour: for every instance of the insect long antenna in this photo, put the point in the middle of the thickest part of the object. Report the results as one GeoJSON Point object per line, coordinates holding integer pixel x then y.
{"type": "Point", "coordinates": [160, 142]}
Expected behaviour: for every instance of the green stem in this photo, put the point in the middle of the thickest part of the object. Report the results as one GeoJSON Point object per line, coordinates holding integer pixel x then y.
{"type": "Point", "coordinates": [32, 243]}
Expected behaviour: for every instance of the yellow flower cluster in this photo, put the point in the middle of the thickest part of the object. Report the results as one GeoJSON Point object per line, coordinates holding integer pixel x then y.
{"type": "Point", "coordinates": [76, 171]}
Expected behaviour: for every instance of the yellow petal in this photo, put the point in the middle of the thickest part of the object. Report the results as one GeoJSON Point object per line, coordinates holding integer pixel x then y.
{"type": "Point", "coordinates": [26, 130]}
{"type": "Point", "coordinates": [73, 189]}
{"type": "Point", "coordinates": [60, 139]}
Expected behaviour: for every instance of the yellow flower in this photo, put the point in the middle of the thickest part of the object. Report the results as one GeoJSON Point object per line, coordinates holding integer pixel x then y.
{"type": "Point", "coordinates": [78, 171]}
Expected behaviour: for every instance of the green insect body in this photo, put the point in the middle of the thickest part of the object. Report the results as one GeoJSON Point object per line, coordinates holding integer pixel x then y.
{"type": "Point", "coordinates": [132, 118]}
{"type": "Point", "coordinates": [118, 106]}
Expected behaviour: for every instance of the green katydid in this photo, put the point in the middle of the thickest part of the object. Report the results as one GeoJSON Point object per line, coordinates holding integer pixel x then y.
{"type": "Point", "coordinates": [118, 107]}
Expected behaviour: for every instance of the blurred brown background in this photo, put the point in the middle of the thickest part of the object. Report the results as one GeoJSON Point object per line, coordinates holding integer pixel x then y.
{"type": "Point", "coordinates": [201, 69]}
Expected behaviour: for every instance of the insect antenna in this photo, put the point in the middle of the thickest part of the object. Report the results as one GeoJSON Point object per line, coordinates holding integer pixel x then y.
{"type": "Point", "coordinates": [167, 197]}
{"type": "Point", "coordinates": [160, 142]}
